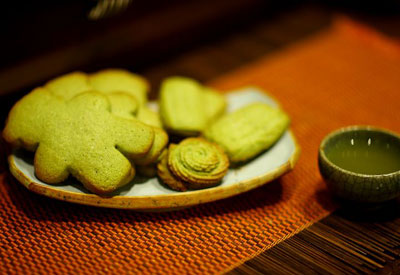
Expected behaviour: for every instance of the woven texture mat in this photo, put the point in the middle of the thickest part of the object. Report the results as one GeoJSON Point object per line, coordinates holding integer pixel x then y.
{"type": "Point", "coordinates": [342, 76]}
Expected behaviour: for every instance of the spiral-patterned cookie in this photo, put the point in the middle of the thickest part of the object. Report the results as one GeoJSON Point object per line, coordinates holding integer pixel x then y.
{"type": "Point", "coordinates": [167, 177]}
{"type": "Point", "coordinates": [198, 162]}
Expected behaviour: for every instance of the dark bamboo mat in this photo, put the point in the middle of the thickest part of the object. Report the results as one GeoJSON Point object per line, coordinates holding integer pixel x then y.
{"type": "Point", "coordinates": [337, 244]}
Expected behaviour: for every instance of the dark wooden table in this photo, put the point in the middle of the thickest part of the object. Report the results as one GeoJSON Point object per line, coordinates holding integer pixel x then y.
{"type": "Point", "coordinates": [344, 242]}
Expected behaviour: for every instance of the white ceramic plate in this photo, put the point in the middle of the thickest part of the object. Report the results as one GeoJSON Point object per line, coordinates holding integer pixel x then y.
{"type": "Point", "coordinates": [150, 195]}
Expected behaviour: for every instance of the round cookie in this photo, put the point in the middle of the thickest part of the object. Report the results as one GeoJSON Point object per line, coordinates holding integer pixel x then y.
{"type": "Point", "coordinates": [111, 80]}
{"type": "Point", "coordinates": [167, 177]}
{"type": "Point", "coordinates": [160, 141]}
{"type": "Point", "coordinates": [123, 104]}
{"type": "Point", "coordinates": [193, 164]}
{"type": "Point", "coordinates": [69, 85]}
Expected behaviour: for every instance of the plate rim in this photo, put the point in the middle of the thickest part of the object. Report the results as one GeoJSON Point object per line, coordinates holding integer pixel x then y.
{"type": "Point", "coordinates": [162, 201]}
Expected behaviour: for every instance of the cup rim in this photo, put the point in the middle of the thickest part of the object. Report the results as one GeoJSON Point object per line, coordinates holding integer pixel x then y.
{"type": "Point", "coordinates": [352, 129]}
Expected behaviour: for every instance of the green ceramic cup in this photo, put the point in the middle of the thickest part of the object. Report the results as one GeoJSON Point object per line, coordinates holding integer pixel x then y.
{"type": "Point", "coordinates": [361, 163]}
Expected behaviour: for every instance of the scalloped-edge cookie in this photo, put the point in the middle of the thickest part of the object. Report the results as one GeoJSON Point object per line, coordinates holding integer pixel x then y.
{"type": "Point", "coordinates": [78, 137]}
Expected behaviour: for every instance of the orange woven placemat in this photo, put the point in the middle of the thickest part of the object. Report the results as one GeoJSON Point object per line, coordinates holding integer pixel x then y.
{"type": "Point", "coordinates": [345, 75]}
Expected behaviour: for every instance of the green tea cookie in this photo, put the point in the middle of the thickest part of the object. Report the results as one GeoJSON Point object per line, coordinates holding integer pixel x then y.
{"type": "Point", "coordinates": [214, 103]}
{"type": "Point", "coordinates": [122, 103]}
{"type": "Point", "coordinates": [167, 177]}
{"type": "Point", "coordinates": [69, 85]}
{"type": "Point", "coordinates": [149, 117]}
{"type": "Point", "coordinates": [78, 137]}
{"type": "Point", "coordinates": [198, 162]}
{"type": "Point", "coordinates": [186, 107]}
{"type": "Point", "coordinates": [160, 141]}
{"type": "Point", "coordinates": [150, 170]}
{"type": "Point", "coordinates": [112, 80]}
{"type": "Point", "coordinates": [248, 131]}
{"type": "Point", "coordinates": [181, 106]}
{"type": "Point", "coordinates": [193, 164]}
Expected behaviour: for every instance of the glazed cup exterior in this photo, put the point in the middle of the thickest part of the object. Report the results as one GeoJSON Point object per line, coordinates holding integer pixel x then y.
{"type": "Point", "coordinates": [354, 186]}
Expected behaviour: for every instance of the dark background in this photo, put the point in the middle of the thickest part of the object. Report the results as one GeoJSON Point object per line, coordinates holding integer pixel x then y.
{"type": "Point", "coordinates": [43, 39]}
